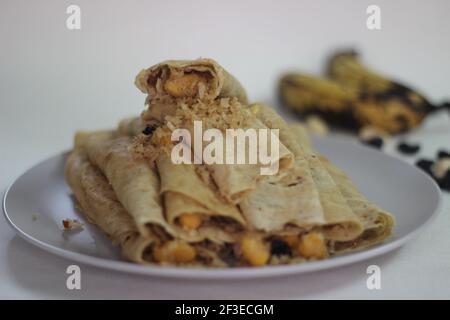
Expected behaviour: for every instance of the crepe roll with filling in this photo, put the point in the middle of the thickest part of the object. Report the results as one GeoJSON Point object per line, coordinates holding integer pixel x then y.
{"type": "Point", "coordinates": [204, 79]}
{"type": "Point", "coordinates": [235, 181]}
{"type": "Point", "coordinates": [193, 204]}
{"type": "Point", "coordinates": [287, 198]}
{"type": "Point", "coordinates": [377, 223]}
{"type": "Point", "coordinates": [97, 201]}
{"type": "Point", "coordinates": [135, 183]}
{"type": "Point", "coordinates": [339, 222]}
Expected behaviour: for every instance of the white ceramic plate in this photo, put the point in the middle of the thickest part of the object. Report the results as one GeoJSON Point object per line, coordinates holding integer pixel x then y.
{"type": "Point", "coordinates": [39, 200]}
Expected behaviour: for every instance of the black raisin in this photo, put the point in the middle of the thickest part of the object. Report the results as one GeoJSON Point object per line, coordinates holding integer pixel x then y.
{"type": "Point", "coordinates": [407, 148]}
{"type": "Point", "coordinates": [149, 130]}
{"type": "Point", "coordinates": [279, 247]}
{"type": "Point", "coordinates": [446, 182]}
{"type": "Point", "coordinates": [425, 165]}
{"type": "Point", "coordinates": [228, 255]}
{"type": "Point", "coordinates": [375, 142]}
{"type": "Point", "coordinates": [443, 154]}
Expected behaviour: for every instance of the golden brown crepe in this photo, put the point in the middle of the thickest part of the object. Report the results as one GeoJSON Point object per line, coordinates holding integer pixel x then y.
{"type": "Point", "coordinates": [233, 181]}
{"type": "Point", "coordinates": [136, 184]}
{"type": "Point", "coordinates": [187, 195]}
{"type": "Point", "coordinates": [98, 201]}
{"type": "Point", "coordinates": [377, 223]}
{"type": "Point", "coordinates": [334, 217]}
{"type": "Point", "coordinates": [237, 180]}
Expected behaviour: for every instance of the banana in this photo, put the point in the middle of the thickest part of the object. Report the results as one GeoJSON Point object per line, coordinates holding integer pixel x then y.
{"type": "Point", "coordinates": [355, 96]}
{"type": "Point", "coordinates": [345, 68]}
{"type": "Point", "coordinates": [382, 102]}
{"type": "Point", "coordinates": [308, 95]}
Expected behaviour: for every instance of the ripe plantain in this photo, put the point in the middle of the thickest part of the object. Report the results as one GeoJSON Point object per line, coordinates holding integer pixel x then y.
{"type": "Point", "coordinates": [355, 96]}
{"type": "Point", "coordinates": [382, 102]}
{"type": "Point", "coordinates": [308, 95]}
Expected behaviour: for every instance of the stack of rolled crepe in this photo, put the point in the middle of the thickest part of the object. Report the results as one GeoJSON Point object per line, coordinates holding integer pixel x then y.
{"type": "Point", "coordinates": [214, 215]}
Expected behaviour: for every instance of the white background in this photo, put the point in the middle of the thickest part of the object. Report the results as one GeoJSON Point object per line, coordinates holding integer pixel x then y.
{"type": "Point", "coordinates": [54, 81]}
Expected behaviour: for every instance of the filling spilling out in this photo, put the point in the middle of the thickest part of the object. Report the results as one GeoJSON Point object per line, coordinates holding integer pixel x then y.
{"type": "Point", "coordinates": [252, 249]}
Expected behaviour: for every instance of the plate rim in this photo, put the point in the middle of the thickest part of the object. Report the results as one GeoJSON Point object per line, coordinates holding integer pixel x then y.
{"type": "Point", "coordinates": [226, 273]}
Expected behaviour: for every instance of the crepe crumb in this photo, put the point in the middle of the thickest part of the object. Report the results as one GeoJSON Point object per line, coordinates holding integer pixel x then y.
{"type": "Point", "coordinates": [72, 224]}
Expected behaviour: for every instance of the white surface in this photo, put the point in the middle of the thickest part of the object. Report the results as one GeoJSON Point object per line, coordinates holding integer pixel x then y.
{"type": "Point", "coordinates": [54, 81]}
{"type": "Point", "coordinates": [36, 214]}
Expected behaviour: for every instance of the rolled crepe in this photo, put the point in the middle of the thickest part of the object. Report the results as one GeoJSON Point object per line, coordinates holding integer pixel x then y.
{"type": "Point", "coordinates": [235, 181]}
{"type": "Point", "coordinates": [289, 198]}
{"type": "Point", "coordinates": [182, 180]}
{"type": "Point", "coordinates": [377, 223]}
{"type": "Point", "coordinates": [97, 200]}
{"type": "Point", "coordinates": [185, 193]}
{"type": "Point", "coordinates": [74, 165]}
{"type": "Point", "coordinates": [202, 78]}
{"type": "Point", "coordinates": [134, 181]}
{"type": "Point", "coordinates": [338, 221]}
